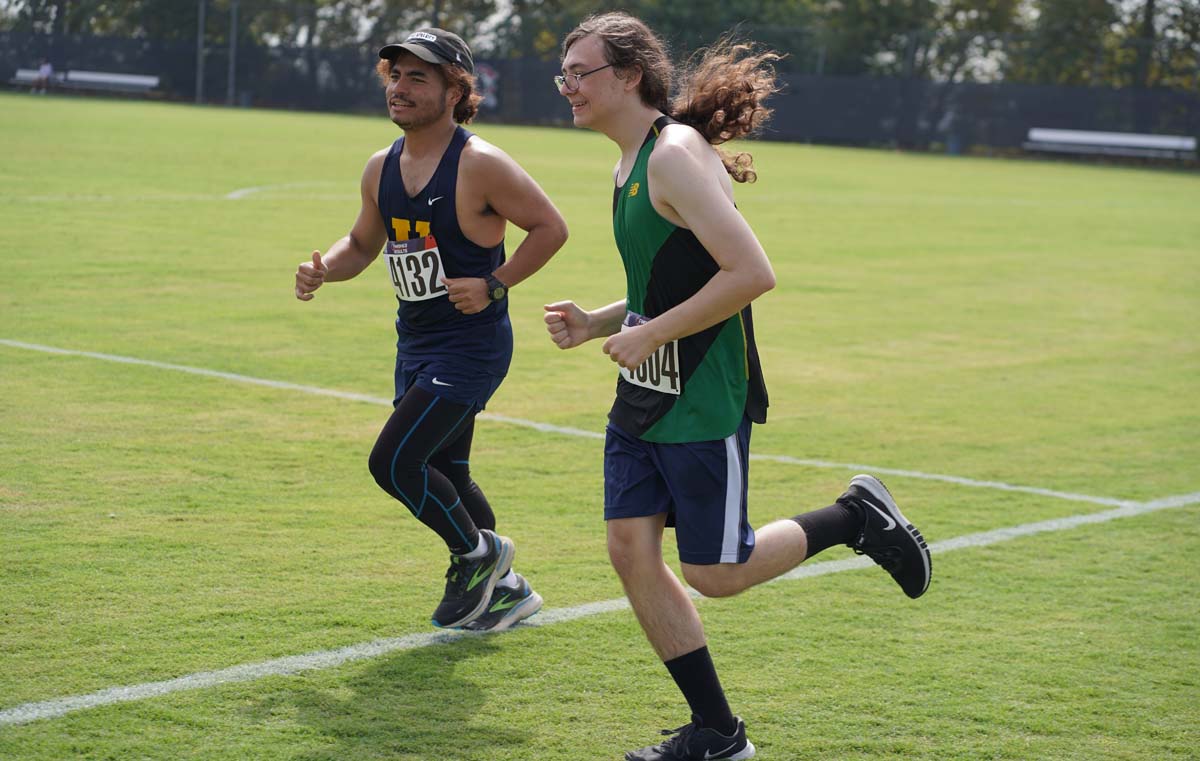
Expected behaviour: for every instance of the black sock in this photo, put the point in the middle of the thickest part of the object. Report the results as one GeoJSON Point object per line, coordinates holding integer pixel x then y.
{"type": "Point", "coordinates": [696, 677]}
{"type": "Point", "coordinates": [836, 524]}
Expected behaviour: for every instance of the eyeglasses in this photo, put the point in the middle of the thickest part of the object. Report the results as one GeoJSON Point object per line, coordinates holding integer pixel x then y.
{"type": "Point", "coordinates": [570, 82]}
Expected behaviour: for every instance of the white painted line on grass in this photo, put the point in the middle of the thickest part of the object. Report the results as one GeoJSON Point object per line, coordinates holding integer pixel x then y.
{"type": "Point", "coordinates": [137, 198]}
{"type": "Point", "coordinates": [324, 659]}
{"type": "Point", "coordinates": [565, 430]}
{"type": "Point", "coordinates": [28, 712]}
{"type": "Point", "coordinates": [284, 385]}
{"type": "Point", "coordinates": [1179, 500]}
{"type": "Point", "coordinates": [273, 192]}
{"type": "Point", "coordinates": [998, 485]}
{"type": "Point", "coordinates": [241, 193]}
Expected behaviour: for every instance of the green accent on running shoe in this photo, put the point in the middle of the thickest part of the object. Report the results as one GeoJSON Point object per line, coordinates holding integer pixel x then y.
{"type": "Point", "coordinates": [503, 604]}
{"type": "Point", "coordinates": [480, 575]}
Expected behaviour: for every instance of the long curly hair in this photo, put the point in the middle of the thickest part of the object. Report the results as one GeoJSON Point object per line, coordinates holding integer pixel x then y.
{"type": "Point", "coordinates": [724, 86]}
{"type": "Point", "coordinates": [454, 77]}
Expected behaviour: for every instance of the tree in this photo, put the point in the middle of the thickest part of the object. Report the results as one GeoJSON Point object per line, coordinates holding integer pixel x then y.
{"type": "Point", "coordinates": [1064, 43]}
{"type": "Point", "coordinates": [537, 27]}
{"type": "Point", "coordinates": [943, 40]}
{"type": "Point", "coordinates": [1158, 44]}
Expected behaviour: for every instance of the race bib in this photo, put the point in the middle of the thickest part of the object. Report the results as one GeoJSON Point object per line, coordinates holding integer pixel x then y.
{"type": "Point", "coordinates": [415, 267]}
{"type": "Point", "coordinates": [660, 371]}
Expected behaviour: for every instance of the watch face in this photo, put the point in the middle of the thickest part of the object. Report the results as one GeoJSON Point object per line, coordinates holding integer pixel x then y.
{"type": "Point", "coordinates": [496, 289]}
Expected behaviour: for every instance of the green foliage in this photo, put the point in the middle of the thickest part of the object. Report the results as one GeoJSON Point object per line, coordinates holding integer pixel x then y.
{"type": "Point", "coordinates": [785, 25]}
{"type": "Point", "coordinates": [1068, 42]}
{"type": "Point", "coordinates": [1101, 42]}
{"type": "Point", "coordinates": [1065, 43]}
{"type": "Point", "coordinates": [325, 23]}
{"type": "Point", "coordinates": [915, 38]}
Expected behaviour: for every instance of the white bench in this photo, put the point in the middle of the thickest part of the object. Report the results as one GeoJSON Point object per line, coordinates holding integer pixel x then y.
{"type": "Point", "coordinates": [28, 77]}
{"type": "Point", "coordinates": [1110, 143]}
{"type": "Point", "coordinates": [91, 80]}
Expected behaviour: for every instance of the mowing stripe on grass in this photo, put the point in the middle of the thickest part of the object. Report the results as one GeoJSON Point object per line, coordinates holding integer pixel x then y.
{"type": "Point", "coordinates": [565, 430]}
{"type": "Point", "coordinates": [324, 659]}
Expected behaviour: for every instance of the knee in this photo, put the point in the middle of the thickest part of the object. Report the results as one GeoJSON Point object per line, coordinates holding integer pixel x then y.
{"type": "Point", "coordinates": [712, 580]}
{"type": "Point", "coordinates": [391, 470]}
{"type": "Point", "coordinates": [380, 465]}
{"type": "Point", "coordinates": [628, 556]}
{"type": "Point", "coordinates": [622, 556]}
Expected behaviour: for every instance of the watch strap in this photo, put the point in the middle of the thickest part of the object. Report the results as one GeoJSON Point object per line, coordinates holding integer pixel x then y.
{"type": "Point", "coordinates": [496, 289]}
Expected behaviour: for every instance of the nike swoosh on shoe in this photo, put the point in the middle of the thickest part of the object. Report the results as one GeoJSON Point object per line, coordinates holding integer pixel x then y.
{"type": "Point", "coordinates": [891, 522]}
{"type": "Point", "coordinates": [710, 754]}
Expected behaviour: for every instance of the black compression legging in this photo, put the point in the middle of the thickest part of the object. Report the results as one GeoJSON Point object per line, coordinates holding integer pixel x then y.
{"type": "Point", "coordinates": [422, 459]}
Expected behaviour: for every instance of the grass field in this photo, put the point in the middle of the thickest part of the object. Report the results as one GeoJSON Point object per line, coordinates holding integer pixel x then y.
{"type": "Point", "coordinates": [1006, 323]}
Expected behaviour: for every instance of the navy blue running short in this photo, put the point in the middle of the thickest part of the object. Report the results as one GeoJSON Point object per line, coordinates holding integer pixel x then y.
{"type": "Point", "coordinates": [461, 383]}
{"type": "Point", "coordinates": [701, 486]}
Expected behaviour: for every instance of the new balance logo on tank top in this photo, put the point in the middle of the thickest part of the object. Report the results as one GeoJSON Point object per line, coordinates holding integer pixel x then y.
{"type": "Point", "coordinates": [699, 387]}
{"type": "Point", "coordinates": [425, 243]}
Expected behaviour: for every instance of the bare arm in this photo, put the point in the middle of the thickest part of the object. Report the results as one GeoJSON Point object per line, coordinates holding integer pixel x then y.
{"type": "Point", "coordinates": [357, 249]}
{"type": "Point", "coordinates": [513, 195]}
{"type": "Point", "coordinates": [682, 182]}
{"type": "Point", "coordinates": [570, 326]}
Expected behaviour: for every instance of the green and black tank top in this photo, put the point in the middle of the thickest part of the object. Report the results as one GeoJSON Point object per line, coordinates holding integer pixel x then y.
{"type": "Point", "coordinates": [699, 387]}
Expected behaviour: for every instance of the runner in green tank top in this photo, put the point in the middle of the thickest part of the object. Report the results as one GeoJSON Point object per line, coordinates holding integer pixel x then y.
{"type": "Point", "coordinates": [678, 437]}
{"type": "Point", "coordinates": [711, 378]}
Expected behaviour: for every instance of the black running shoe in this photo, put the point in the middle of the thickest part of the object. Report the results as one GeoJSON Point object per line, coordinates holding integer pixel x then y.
{"type": "Point", "coordinates": [470, 581]}
{"type": "Point", "coordinates": [692, 741]}
{"type": "Point", "coordinates": [887, 537]}
{"type": "Point", "coordinates": [507, 607]}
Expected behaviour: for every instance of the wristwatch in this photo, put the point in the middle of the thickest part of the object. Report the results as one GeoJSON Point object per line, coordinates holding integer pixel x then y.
{"type": "Point", "coordinates": [496, 289]}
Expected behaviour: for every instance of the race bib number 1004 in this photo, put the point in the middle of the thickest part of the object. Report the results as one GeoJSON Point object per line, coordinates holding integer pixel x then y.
{"type": "Point", "coordinates": [415, 268]}
{"type": "Point", "coordinates": [660, 371]}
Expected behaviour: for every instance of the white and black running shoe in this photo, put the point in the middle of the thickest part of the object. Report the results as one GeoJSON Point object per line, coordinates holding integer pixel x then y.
{"type": "Point", "coordinates": [887, 537]}
{"type": "Point", "coordinates": [692, 742]}
{"type": "Point", "coordinates": [507, 607]}
{"type": "Point", "coordinates": [470, 581]}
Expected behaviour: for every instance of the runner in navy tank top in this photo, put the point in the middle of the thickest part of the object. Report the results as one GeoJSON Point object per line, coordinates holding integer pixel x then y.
{"type": "Point", "coordinates": [432, 326]}
{"type": "Point", "coordinates": [438, 202]}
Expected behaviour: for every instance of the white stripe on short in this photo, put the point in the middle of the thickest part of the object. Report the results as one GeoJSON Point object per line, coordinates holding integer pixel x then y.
{"type": "Point", "coordinates": [733, 500]}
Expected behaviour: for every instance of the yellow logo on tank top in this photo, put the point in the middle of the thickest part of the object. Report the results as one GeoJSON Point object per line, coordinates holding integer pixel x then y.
{"type": "Point", "coordinates": [410, 228]}
{"type": "Point", "coordinates": [633, 189]}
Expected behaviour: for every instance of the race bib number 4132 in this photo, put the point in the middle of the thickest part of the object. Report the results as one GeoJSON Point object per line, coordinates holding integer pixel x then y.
{"type": "Point", "coordinates": [660, 371]}
{"type": "Point", "coordinates": [415, 268]}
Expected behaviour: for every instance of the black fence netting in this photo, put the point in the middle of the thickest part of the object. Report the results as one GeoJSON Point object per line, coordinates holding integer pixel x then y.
{"type": "Point", "coordinates": [909, 113]}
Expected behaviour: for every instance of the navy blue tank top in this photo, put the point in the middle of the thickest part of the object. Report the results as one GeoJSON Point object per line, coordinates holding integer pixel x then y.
{"type": "Point", "coordinates": [434, 328]}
